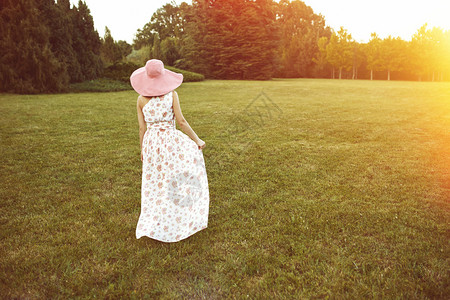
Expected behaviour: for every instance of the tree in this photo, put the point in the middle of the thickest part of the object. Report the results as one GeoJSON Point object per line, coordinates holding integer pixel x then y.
{"type": "Point", "coordinates": [393, 56]}
{"type": "Point", "coordinates": [340, 51]}
{"type": "Point", "coordinates": [357, 58]}
{"type": "Point", "coordinates": [444, 56]}
{"type": "Point", "coordinates": [57, 20]}
{"type": "Point", "coordinates": [418, 48]}
{"type": "Point", "coordinates": [143, 37]}
{"type": "Point", "coordinates": [193, 52]}
{"type": "Point", "coordinates": [440, 53]}
{"type": "Point", "coordinates": [233, 38]}
{"type": "Point", "coordinates": [430, 52]}
{"type": "Point", "coordinates": [321, 55]}
{"type": "Point", "coordinates": [45, 45]}
{"type": "Point", "coordinates": [110, 50]}
{"type": "Point", "coordinates": [167, 22]}
{"type": "Point", "coordinates": [169, 51]}
{"type": "Point", "coordinates": [164, 33]}
{"type": "Point", "coordinates": [156, 49]}
{"type": "Point", "coordinates": [124, 47]}
{"type": "Point", "coordinates": [373, 54]}
{"type": "Point", "coordinates": [86, 43]}
{"type": "Point", "coordinates": [27, 63]}
{"type": "Point", "coordinates": [258, 39]}
{"type": "Point", "coordinates": [300, 31]}
{"type": "Point", "coordinates": [193, 49]}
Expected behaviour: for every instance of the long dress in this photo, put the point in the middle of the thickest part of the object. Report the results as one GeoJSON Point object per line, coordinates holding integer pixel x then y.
{"type": "Point", "coordinates": [174, 191]}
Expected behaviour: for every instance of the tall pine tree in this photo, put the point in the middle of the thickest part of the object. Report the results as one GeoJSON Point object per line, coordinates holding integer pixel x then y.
{"type": "Point", "coordinates": [233, 39]}
{"type": "Point", "coordinates": [110, 50]}
{"type": "Point", "coordinates": [27, 63]}
{"type": "Point", "coordinates": [45, 45]}
{"type": "Point", "coordinates": [86, 43]}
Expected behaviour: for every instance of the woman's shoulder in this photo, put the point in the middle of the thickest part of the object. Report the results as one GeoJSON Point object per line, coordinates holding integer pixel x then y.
{"type": "Point", "coordinates": [142, 101]}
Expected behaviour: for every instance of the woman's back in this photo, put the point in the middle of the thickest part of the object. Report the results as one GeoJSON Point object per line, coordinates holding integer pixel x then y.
{"type": "Point", "coordinates": [159, 109]}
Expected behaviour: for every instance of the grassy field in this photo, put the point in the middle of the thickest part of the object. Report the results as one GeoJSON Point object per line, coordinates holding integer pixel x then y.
{"type": "Point", "coordinates": [319, 188]}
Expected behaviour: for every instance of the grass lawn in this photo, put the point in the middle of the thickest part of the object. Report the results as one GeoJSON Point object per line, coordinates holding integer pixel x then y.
{"type": "Point", "coordinates": [341, 189]}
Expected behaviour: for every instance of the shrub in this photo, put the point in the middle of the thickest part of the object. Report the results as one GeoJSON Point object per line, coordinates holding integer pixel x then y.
{"type": "Point", "coordinates": [120, 71]}
{"type": "Point", "coordinates": [187, 75]}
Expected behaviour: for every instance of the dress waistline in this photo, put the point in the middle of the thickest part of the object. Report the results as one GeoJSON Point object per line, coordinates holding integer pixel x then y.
{"type": "Point", "coordinates": [161, 125]}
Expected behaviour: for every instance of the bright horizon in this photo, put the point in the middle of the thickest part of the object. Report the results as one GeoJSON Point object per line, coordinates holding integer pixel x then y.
{"type": "Point", "coordinates": [385, 17]}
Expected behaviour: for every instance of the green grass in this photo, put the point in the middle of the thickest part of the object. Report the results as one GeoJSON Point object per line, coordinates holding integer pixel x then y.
{"type": "Point", "coordinates": [344, 194]}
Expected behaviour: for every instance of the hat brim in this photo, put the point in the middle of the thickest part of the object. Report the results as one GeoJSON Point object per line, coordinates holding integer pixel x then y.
{"type": "Point", "coordinates": [161, 85]}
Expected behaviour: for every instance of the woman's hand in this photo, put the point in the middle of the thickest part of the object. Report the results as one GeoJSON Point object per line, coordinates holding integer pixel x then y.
{"type": "Point", "coordinates": [142, 156]}
{"type": "Point", "coordinates": [201, 144]}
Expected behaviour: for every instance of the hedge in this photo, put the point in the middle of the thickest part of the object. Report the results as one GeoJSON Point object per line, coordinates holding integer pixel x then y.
{"type": "Point", "coordinates": [188, 76]}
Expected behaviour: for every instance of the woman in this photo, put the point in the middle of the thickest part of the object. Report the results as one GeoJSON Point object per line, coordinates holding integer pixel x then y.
{"type": "Point", "coordinates": [174, 192]}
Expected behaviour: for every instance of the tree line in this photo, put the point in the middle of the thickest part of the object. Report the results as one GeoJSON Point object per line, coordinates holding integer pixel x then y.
{"type": "Point", "coordinates": [425, 57]}
{"type": "Point", "coordinates": [47, 44]}
{"type": "Point", "coordinates": [235, 39]}
{"type": "Point", "coordinates": [261, 39]}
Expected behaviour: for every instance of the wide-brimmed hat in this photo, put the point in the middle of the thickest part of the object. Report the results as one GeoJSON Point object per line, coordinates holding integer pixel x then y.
{"type": "Point", "coordinates": [154, 79]}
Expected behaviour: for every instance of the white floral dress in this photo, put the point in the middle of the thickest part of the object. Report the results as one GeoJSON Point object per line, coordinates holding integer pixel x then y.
{"type": "Point", "coordinates": [175, 194]}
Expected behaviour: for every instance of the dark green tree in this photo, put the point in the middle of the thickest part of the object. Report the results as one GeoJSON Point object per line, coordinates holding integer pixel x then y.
{"type": "Point", "coordinates": [194, 55]}
{"type": "Point", "coordinates": [62, 41]}
{"type": "Point", "coordinates": [156, 48]}
{"type": "Point", "coordinates": [86, 43]}
{"type": "Point", "coordinates": [143, 37]}
{"type": "Point", "coordinates": [232, 39]}
{"type": "Point", "coordinates": [300, 31]}
{"type": "Point", "coordinates": [168, 22]}
{"type": "Point", "coordinates": [125, 48]}
{"type": "Point", "coordinates": [27, 63]}
{"type": "Point", "coordinates": [169, 51]}
{"type": "Point", "coordinates": [57, 20]}
{"type": "Point", "coordinates": [110, 50]}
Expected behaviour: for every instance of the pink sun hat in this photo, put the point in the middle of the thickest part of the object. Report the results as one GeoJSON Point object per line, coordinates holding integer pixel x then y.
{"type": "Point", "coordinates": [154, 79]}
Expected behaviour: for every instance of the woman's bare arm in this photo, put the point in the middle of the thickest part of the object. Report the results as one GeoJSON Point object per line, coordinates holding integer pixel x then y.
{"type": "Point", "coordinates": [142, 125]}
{"type": "Point", "coordinates": [184, 125]}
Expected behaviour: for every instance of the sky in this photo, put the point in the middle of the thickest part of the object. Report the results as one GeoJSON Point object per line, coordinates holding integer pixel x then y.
{"type": "Point", "coordinates": [360, 17]}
